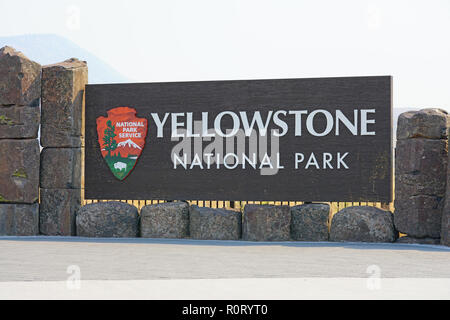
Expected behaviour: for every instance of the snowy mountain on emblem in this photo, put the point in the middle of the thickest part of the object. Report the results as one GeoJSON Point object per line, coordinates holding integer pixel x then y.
{"type": "Point", "coordinates": [128, 144]}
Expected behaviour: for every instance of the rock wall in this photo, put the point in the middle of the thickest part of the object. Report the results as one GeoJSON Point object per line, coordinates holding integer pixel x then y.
{"type": "Point", "coordinates": [309, 222]}
{"type": "Point", "coordinates": [20, 91]}
{"type": "Point", "coordinates": [53, 97]}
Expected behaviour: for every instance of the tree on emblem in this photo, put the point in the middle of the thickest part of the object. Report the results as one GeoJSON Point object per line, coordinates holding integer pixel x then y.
{"type": "Point", "coordinates": [109, 143]}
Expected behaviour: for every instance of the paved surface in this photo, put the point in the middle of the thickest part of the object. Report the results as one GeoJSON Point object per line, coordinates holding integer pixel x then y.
{"type": "Point", "coordinates": [47, 259]}
{"type": "Point", "coordinates": [232, 289]}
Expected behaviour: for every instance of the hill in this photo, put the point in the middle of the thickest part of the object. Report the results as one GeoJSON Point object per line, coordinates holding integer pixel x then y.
{"type": "Point", "coordinates": [49, 48]}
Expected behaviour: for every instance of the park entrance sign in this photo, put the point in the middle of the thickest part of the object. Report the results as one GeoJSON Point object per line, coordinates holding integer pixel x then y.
{"type": "Point", "coordinates": [324, 139]}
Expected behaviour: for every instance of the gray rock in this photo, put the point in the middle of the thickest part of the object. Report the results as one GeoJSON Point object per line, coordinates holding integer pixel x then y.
{"type": "Point", "coordinates": [420, 183]}
{"type": "Point", "coordinates": [19, 171]}
{"type": "Point", "coordinates": [419, 216]}
{"type": "Point", "coordinates": [19, 219]}
{"type": "Point", "coordinates": [445, 232]}
{"type": "Point", "coordinates": [214, 224]}
{"type": "Point", "coordinates": [165, 220]}
{"type": "Point", "coordinates": [420, 166]}
{"type": "Point", "coordinates": [108, 220]}
{"type": "Point", "coordinates": [363, 224]}
{"type": "Point", "coordinates": [61, 168]}
{"type": "Point", "coordinates": [445, 228]}
{"type": "Point", "coordinates": [58, 211]}
{"type": "Point", "coordinates": [20, 79]}
{"type": "Point", "coordinates": [411, 240]}
{"type": "Point", "coordinates": [63, 87]}
{"type": "Point", "coordinates": [266, 223]}
{"type": "Point", "coordinates": [410, 185]}
{"type": "Point", "coordinates": [426, 123]}
{"type": "Point", "coordinates": [19, 122]}
{"type": "Point", "coordinates": [309, 222]}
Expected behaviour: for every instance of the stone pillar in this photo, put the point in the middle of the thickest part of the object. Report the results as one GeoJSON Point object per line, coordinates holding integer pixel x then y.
{"type": "Point", "coordinates": [445, 231]}
{"type": "Point", "coordinates": [62, 137]}
{"type": "Point", "coordinates": [20, 91]}
{"type": "Point", "coordinates": [420, 177]}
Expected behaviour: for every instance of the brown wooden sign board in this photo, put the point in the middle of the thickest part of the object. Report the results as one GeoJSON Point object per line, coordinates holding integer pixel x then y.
{"type": "Point", "coordinates": [323, 139]}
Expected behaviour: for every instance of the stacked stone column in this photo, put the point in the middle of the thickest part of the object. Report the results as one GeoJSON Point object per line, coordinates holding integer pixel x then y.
{"type": "Point", "coordinates": [62, 138]}
{"type": "Point", "coordinates": [420, 177]}
{"type": "Point", "coordinates": [20, 90]}
{"type": "Point", "coordinates": [445, 233]}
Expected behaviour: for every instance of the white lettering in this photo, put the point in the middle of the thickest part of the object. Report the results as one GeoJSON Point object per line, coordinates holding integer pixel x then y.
{"type": "Point", "coordinates": [299, 158]}
{"type": "Point", "coordinates": [365, 122]}
{"type": "Point", "coordinates": [236, 124]}
{"type": "Point", "coordinates": [353, 127]}
{"type": "Point", "coordinates": [341, 160]}
{"type": "Point", "coordinates": [258, 120]}
{"type": "Point", "coordinates": [310, 123]}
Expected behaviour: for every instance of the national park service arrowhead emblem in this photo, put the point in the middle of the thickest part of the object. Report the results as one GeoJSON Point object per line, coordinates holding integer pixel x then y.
{"type": "Point", "coordinates": [121, 137]}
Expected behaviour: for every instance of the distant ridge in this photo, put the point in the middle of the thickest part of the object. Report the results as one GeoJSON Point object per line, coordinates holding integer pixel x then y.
{"type": "Point", "coordinates": [50, 48]}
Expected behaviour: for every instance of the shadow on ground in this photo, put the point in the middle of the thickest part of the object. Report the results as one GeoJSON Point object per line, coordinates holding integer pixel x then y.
{"type": "Point", "coordinates": [191, 242]}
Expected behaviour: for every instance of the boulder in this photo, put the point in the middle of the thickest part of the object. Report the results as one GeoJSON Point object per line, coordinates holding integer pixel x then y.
{"type": "Point", "coordinates": [54, 175]}
{"type": "Point", "coordinates": [427, 123]}
{"type": "Point", "coordinates": [165, 220]}
{"type": "Point", "coordinates": [214, 224]}
{"type": "Point", "coordinates": [266, 223]}
{"type": "Point", "coordinates": [108, 220]}
{"type": "Point", "coordinates": [19, 171]}
{"type": "Point", "coordinates": [58, 211]}
{"type": "Point", "coordinates": [20, 79]}
{"type": "Point", "coordinates": [19, 122]}
{"type": "Point", "coordinates": [19, 219]}
{"type": "Point", "coordinates": [63, 86]}
{"type": "Point", "coordinates": [363, 224]}
{"type": "Point", "coordinates": [411, 240]}
{"type": "Point", "coordinates": [309, 222]}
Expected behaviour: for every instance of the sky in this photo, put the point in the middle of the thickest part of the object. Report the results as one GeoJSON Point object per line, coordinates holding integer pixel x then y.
{"type": "Point", "coordinates": [179, 40]}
